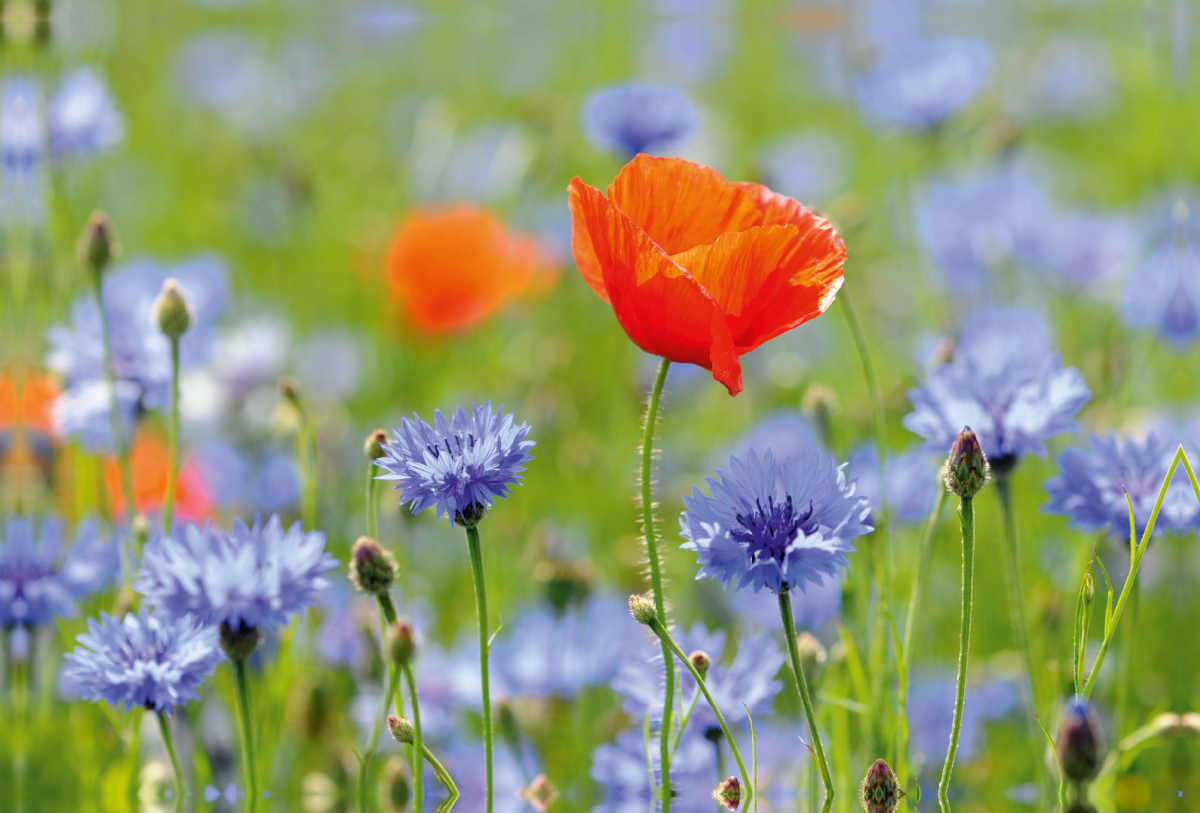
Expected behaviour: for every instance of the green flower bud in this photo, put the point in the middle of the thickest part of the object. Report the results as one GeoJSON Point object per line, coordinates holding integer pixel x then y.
{"type": "Point", "coordinates": [729, 793]}
{"type": "Point", "coordinates": [239, 644]}
{"type": "Point", "coordinates": [966, 469]}
{"type": "Point", "coordinates": [701, 661]}
{"type": "Point", "coordinates": [372, 569]}
{"type": "Point", "coordinates": [402, 730]}
{"type": "Point", "coordinates": [642, 609]}
{"type": "Point", "coordinates": [172, 311]}
{"type": "Point", "coordinates": [403, 642]}
{"type": "Point", "coordinates": [97, 244]}
{"type": "Point", "coordinates": [373, 448]}
{"type": "Point", "coordinates": [880, 792]}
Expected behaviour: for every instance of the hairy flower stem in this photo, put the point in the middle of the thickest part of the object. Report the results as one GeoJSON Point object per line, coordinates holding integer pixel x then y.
{"type": "Point", "coordinates": [1012, 573]}
{"type": "Point", "coordinates": [172, 442]}
{"type": "Point", "coordinates": [481, 612]}
{"type": "Point", "coordinates": [658, 629]}
{"type": "Point", "coordinates": [418, 745]}
{"type": "Point", "coordinates": [164, 729]}
{"type": "Point", "coordinates": [789, 632]}
{"type": "Point", "coordinates": [656, 575]}
{"type": "Point", "coordinates": [966, 512]}
{"type": "Point", "coordinates": [372, 502]}
{"type": "Point", "coordinates": [364, 767]}
{"type": "Point", "coordinates": [242, 695]}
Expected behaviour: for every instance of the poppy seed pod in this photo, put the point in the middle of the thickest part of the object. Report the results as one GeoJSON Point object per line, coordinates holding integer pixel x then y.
{"type": "Point", "coordinates": [880, 792]}
{"type": "Point", "coordinates": [172, 313]}
{"type": "Point", "coordinates": [729, 793]}
{"type": "Point", "coordinates": [1079, 742]}
{"type": "Point", "coordinates": [97, 244]}
{"type": "Point", "coordinates": [642, 609]}
{"type": "Point", "coordinates": [404, 642]}
{"type": "Point", "coordinates": [701, 661]}
{"type": "Point", "coordinates": [372, 569]}
{"type": "Point", "coordinates": [967, 467]}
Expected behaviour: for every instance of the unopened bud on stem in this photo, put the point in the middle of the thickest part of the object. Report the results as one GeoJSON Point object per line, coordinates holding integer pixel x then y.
{"type": "Point", "coordinates": [373, 447]}
{"type": "Point", "coordinates": [642, 609]}
{"type": "Point", "coordinates": [880, 792]}
{"type": "Point", "coordinates": [372, 569]}
{"type": "Point", "coordinates": [701, 661]}
{"type": "Point", "coordinates": [97, 244]}
{"type": "Point", "coordinates": [967, 467]}
{"type": "Point", "coordinates": [403, 642]}
{"type": "Point", "coordinates": [172, 312]}
{"type": "Point", "coordinates": [1079, 742]}
{"type": "Point", "coordinates": [729, 793]}
{"type": "Point", "coordinates": [402, 730]}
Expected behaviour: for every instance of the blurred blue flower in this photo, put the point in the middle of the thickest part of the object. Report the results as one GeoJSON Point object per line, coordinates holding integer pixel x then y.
{"type": "Point", "coordinates": [141, 353]}
{"type": "Point", "coordinates": [258, 575]}
{"type": "Point", "coordinates": [82, 118]}
{"type": "Point", "coordinates": [762, 535]}
{"type": "Point", "coordinates": [143, 660]}
{"type": "Point", "coordinates": [1092, 487]}
{"type": "Point", "coordinates": [808, 167]}
{"type": "Point", "coordinates": [1164, 291]}
{"type": "Point", "coordinates": [35, 586]}
{"type": "Point", "coordinates": [276, 484]}
{"type": "Point", "coordinates": [456, 464]}
{"type": "Point", "coordinates": [810, 608]}
{"type": "Point", "coordinates": [621, 768]}
{"type": "Point", "coordinates": [21, 128]}
{"type": "Point", "coordinates": [1085, 248]}
{"type": "Point", "coordinates": [930, 717]}
{"type": "Point", "coordinates": [634, 119]}
{"type": "Point", "coordinates": [920, 82]}
{"type": "Point", "coordinates": [1068, 77]}
{"type": "Point", "coordinates": [340, 635]}
{"type": "Point", "coordinates": [1004, 383]}
{"type": "Point", "coordinates": [466, 764]}
{"type": "Point", "coordinates": [223, 470]}
{"type": "Point", "coordinates": [557, 654]}
{"type": "Point", "coordinates": [912, 481]}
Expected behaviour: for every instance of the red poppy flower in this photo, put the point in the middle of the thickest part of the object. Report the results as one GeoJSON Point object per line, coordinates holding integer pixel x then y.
{"type": "Point", "coordinates": [699, 269]}
{"type": "Point", "coordinates": [148, 456]}
{"type": "Point", "coordinates": [450, 269]}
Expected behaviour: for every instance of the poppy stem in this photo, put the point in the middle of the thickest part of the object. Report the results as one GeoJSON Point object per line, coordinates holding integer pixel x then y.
{"type": "Point", "coordinates": [164, 729]}
{"type": "Point", "coordinates": [656, 576]}
{"type": "Point", "coordinates": [172, 442]}
{"type": "Point", "coordinates": [789, 632]}
{"type": "Point", "coordinates": [967, 513]}
{"type": "Point", "coordinates": [481, 611]}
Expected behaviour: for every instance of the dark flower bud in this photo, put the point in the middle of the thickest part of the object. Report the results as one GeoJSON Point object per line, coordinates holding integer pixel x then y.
{"type": "Point", "coordinates": [1079, 742]}
{"type": "Point", "coordinates": [372, 569]}
{"type": "Point", "coordinates": [540, 793]}
{"type": "Point", "coordinates": [97, 244]}
{"type": "Point", "coordinates": [289, 388]}
{"type": "Point", "coordinates": [172, 312]}
{"type": "Point", "coordinates": [642, 609]}
{"type": "Point", "coordinates": [729, 793]}
{"type": "Point", "coordinates": [373, 447]}
{"type": "Point", "coordinates": [714, 734]}
{"type": "Point", "coordinates": [239, 644]}
{"type": "Point", "coordinates": [880, 792]}
{"type": "Point", "coordinates": [469, 517]}
{"type": "Point", "coordinates": [701, 661]}
{"type": "Point", "coordinates": [967, 467]}
{"type": "Point", "coordinates": [402, 730]}
{"type": "Point", "coordinates": [403, 642]}
{"type": "Point", "coordinates": [812, 653]}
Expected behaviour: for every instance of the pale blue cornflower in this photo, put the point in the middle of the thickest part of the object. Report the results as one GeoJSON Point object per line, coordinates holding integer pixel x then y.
{"type": "Point", "coordinates": [82, 118]}
{"type": "Point", "coordinates": [255, 575]}
{"type": "Point", "coordinates": [780, 530]}
{"type": "Point", "coordinates": [1005, 383]}
{"type": "Point", "coordinates": [911, 479]}
{"type": "Point", "coordinates": [459, 465]}
{"type": "Point", "coordinates": [143, 660]}
{"type": "Point", "coordinates": [35, 585]}
{"type": "Point", "coordinates": [1164, 291]}
{"type": "Point", "coordinates": [651, 119]}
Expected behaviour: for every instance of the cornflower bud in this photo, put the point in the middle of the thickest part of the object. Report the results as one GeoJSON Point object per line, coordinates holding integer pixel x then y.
{"type": "Point", "coordinates": [97, 244]}
{"type": "Point", "coordinates": [812, 653]}
{"type": "Point", "coordinates": [372, 569]}
{"type": "Point", "coordinates": [642, 609]}
{"type": "Point", "coordinates": [373, 448]}
{"type": "Point", "coordinates": [1079, 743]}
{"type": "Point", "coordinates": [172, 312]}
{"type": "Point", "coordinates": [403, 642]}
{"type": "Point", "coordinates": [701, 661]}
{"type": "Point", "coordinates": [402, 730]}
{"type": "Point", "coordinates": [967, 467]}
{"type": "Point", "coordinates": [239, 644]}
{"type": "Point", "coordinates": [880, 792]}
{"type": "Point", "coordinates": [540, 793]}
{"type": "Point", "coordinates": [729, 793]}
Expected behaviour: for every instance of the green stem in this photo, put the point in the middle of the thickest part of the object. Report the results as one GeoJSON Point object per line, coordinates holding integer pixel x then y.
{"type": "Point", "coordinates": [656, 575]}
{"type": "Point", "coordinates": [481, 611]}
{"type": "Point", "coordinates": [385, 703]}
{"type": "Point", "coordinates": [1012, 573]}
{"type": "Point", "coordinates": [164, 728]}
{"type": "Point", "coordinates": [443, 776]}
{"type": "Point", "coordinates": [683, 721]}
{"type": "Point", "coordinates": [242, 695]}
{"type": "Point", "coordinates": [387, 617]}
{"type": "Point", "coordinates": [372, 522]}
{"type": "Point", "coordinates": [967, 513]}
{"type": "Point", "coordinates": [658, 629]}
{"type": "Point", "coordinates": [418, 745]}
{"type": "Point", "coordinates": [789, 632]}
{"type": "Point", "coordinates": [172, 442]}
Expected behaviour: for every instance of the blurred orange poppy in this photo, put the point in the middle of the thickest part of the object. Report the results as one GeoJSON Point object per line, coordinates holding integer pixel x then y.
{"type": "Point", "coordinates": [149, 458]}
{"type": "Point", "coordinates": [31, 404]}
{"type": "Point", "coordinates": [450, 269]}
{"type": "Point", "coordinates": [699, 269]}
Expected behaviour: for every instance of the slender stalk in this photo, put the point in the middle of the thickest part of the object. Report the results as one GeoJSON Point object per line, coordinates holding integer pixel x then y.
{"type": "Point", "coordinates": [242, 695]}
{"type": "Point", "coordinates": [967, 513]}
{"type": "Point", "coordinates": [656, 575]}
{"type": "Point", "coordinates": [1012, 573]}
{"type": "Point", "coordinates": [444, 776]}
{"type": "Point", "coordinates": [387, 616]}
{"type": "Point", "coordinates": [418, 745]}
{"type": "Point", "coordinates": [372, 502]}
{"type": "Point", "coordinates": [364, 767]}
{"type": "Point", "coordinates": [789, 632]}
{"type": "Point", "coordinates": [164, 729]}
{"type": "Point", "coordinates": [481, 612]}
{"type": "Point", "coordinates": [172, 441]}
{"type": "Point", "coordinates": [658, 629]}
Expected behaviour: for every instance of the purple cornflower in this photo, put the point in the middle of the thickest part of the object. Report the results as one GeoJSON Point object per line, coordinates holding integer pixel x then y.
{"type": "Point", "coordinates": [1092, 487]}
{"type": "Point", "coordinates": [459, 465]}
{"type": "Point", "coordinates": [141, 353]}
{"type": "Point", "coordinates": [912, 481]}
{"type": "Point", "coordinates": [257, 575]}
{"type": "Point", "coordinates": [1004, 383]}
{"type": "Point", "coordinates": [775, 531]}
{"type": "Point", "coordinates": [622, 769]}
{"type": "Point", "coordinates": [1164, 291]}
{"type": "Point", "coordinates": [557, 654]}
{"type": "Point", "coordinates": [35, 586]}
{"type": "Point", "coordinates": [634, 119]}
{"type": "Point", "coordinates": [143, 660]}
{"type": "Point", "coordinates": [82, 118]}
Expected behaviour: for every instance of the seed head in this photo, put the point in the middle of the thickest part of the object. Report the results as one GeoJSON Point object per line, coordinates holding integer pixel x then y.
{"type": "Point", "coordinates": [372, 569]}
{"type": "Point", "coordinates": [402, 730]}
{"type": "Point", "coordinates": [1079, 743]}
{"type": "Point", "coordinates": [404, 641]}
{"type": "Point", "coordinates": [172, 312]}
{"type": "Point", "coordinates": [966, 469]}
{"type": "Point", "coordinates": [880, 792]}
{"type": "Point", "coordinates": [729, 793]}
{"type": "Point", "coordinates": [701, 661]}
{"type": "Point", "coordinates": [642, 609]}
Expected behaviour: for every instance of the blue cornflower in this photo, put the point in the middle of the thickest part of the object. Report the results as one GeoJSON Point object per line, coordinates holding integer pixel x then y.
{"type": "Point", "coordinates": [459, 465]}
{"type": "Point", "coordinates": [621, 768]}
{"type": "Point", "coordinates": [257, 575]}
{"type": "Point", "coordinates": [340, 639]}
{"type": "Point", "coordinates": [1164, 291]}
{"type": "Point", "coordinates": [1004, 383]}
{"type": "Point", "coordinates": [1092, 487]}
{"type": "Point", "coordinates": [1086, 248]}
{"type": "Point", "coordinates": [764, 533]}
{"type": "Point", "coordinates": [652, 119]}
{"type": "Point", "coordinates": [141, 353]}
{"type": "Point", "coordinates": [21, 128]}
{"type": "Point", "coordinates": [82, 118]}
{"type": "Point", "coordinates": [35, 586]}
{"type": "Point", "coordinates": [550, 653]}
{"type": "Point", "coordinates": [143, 660]}
{"type": "Point", "coordinates": [912, 481]}
{"type": "Point", "coordinates": [920, 82]}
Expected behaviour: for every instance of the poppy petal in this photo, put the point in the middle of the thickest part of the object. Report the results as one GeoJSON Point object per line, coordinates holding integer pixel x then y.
{"type": "Point", "coordinates": [581, 241]}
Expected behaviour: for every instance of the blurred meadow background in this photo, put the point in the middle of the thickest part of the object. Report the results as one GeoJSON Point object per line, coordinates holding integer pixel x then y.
{"type": "Point", "coordinates": [1034, 154]}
